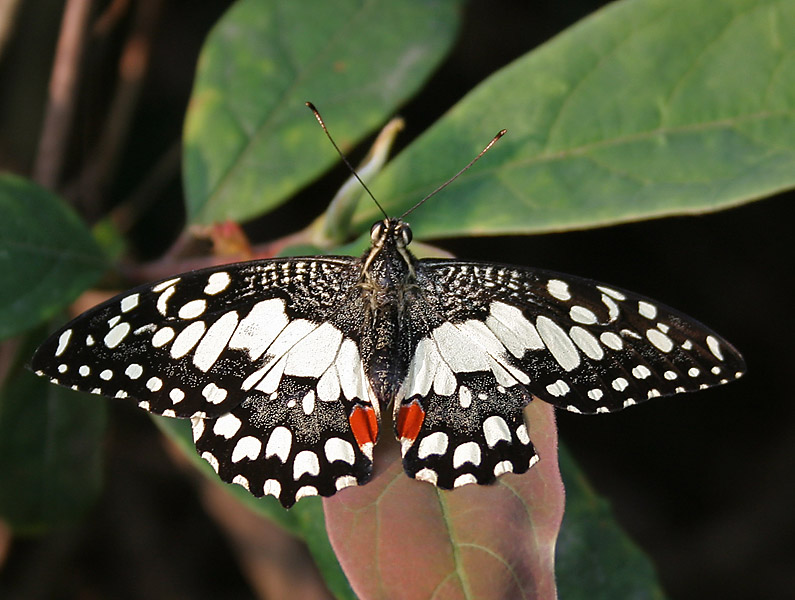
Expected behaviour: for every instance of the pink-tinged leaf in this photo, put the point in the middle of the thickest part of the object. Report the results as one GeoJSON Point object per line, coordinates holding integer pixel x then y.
{"type": "Point", "coordinates": [400, 538]}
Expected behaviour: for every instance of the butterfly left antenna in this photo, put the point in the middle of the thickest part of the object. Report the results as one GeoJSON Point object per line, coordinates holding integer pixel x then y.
{"type": "Point", "coordinates": [344, 158]}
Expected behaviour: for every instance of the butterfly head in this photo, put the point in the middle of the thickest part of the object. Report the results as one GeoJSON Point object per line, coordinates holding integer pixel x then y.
{"type": "Point", "coordinates": [390, 232]}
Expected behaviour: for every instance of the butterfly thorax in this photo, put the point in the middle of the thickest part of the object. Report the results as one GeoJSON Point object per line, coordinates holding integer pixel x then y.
{"type": "Point", "coordinates": [387, 281]}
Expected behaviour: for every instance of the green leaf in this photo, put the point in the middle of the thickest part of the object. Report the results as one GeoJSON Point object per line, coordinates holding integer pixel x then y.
{"type": "Point", "coordinates": [50, 452]}
{"type": "Point", "coordinates": [595, 559]}
{"type": "Point", "coordinates": [249, 140]}
{"type": "Point", "coordinates": [47, 256]}
{"type": "Point", "coordinates": [305, 520]}
{"type": "Point", "coordinates": [646, 108]}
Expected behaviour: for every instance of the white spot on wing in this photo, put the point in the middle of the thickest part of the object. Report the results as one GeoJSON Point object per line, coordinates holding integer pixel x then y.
{"type": "Point", "coordinates": [176, 395]}
{"type": "Point", "coordinates": [248, 447]}
{"type": "Point", "coordinates": [279, 443]}
{"type": "Point", "coordinates": [611, 340]}
{"type": "Point", "coordinates": [468, 452]}
{"type": "Point", "coordinates": [559, 289]}
{"type": "Point", "coordinates": [116, 335]}
{"type": "Point", "coordinates": [495, 429]}
{"type": "Point", "coordinates": [647, 310]}
{"type": "Point", "coordinates": [162, 300]}
{"type": "Point", "coordinates": [305, 491]}
{"type": "Point", "coordinates": [214, 394]}
{"type": "Point", "coordinates": [227, 425]}
{"type": "Point", "coordinates": [308, 403]}
{"type": "Point", "coordinates": [559, 344]}
{"type": "Point", "coordinates": [714, 347]}
{"type": "Point", "coordinates": [164, 284]}
{"type": "Point", "coordinates": [216, 283]}
{"type": "Point", "coordinates": [305, 462]}
{"type": "Point", "coordinates": [162, 337]}
{"type": "Point", "coordinates": [641, 372]}
{"type": "Point", "coordinates": [192, 309]}
{"type": "Point", "coordinates": [134, 371]}
{"type": "Point", "coordinates": [465, 479]}
{"type": "Point", "coordinates": [129, 302]}
{"type": "Point", "coordinates": [260, 327]}
{"type": "Point", "coordinates": [339, 449]}
{"type": "Point", "coordinates": [187, 339]}
{"type": "Point", "coordinates": [586, 342]}
{"type": "Point", "coordinates": [660, 340]}
{"type": "Point", "coordinates": [512, 329]}
{"type": "Point", "coordinates": [583, 315]}
{"type": "Point", "coordinates": [313, 354]}
{"type": "Point", "coordinates": [559, 388]}
{"type": "Point", "coordinates": [611, 292]}
{"type": "Point", "coordinates": [427, 474]}
{"type": "Point", "coordinates": [154, 384]}
{"type": "Point", "coordinates": [435, 443]}
{"type": "Point", "coordinates": [214, 341]}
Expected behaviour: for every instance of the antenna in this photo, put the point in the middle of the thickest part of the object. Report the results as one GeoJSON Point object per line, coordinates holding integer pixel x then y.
{"type": "Point", "coordinates": [454, 177]}
{"type": "Point", "coordinates": [345, 159]}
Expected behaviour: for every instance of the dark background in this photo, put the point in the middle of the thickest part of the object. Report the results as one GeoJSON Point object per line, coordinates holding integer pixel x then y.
{"type": "Point", "coordinates": [703, 483]}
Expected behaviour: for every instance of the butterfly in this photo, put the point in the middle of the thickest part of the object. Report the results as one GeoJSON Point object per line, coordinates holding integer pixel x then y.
{"type": "Point", "coordinates": [285, 365]}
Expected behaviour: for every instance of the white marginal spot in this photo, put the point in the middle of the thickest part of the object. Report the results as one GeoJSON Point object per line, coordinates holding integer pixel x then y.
{"type": "Point", "coordinates": [164, 284]}
{"type": "Point", "coordinates": [620, 384]}
{"type": "Point", "coordinates": [279, 443]}
{"type": "Point", "coordinates": [503, 467]}
{"type": "Point", "coordinates": [272, 488]}
{"type": "Point", "coordinates": [693, 372]}
{"type": "Point", "coordinates": [154, 384]}
{"type": "Point", "coordinates": [687, 345]}
{"type": "Point", "coordinates": [653, 393]}
{"type": "Point", "coordinates": [84, 370]}
{"type": "Point", "coordinates": [659, 339]}
{"type": "Point", "coordinates": [339, 449]}
{"type": "Point", "coordinates": [248, 447]}
{"type": "Point", "coordinates": [214, 394]}
{"type": "Point", "coordinates": [227, 425]}
{"type": "Point", "coordinates": [435, 443]}
{"type": "Point", "coordinates": [559, 388]}
{"type": "Point", "coordinates": [106, 375]}
{"type": "Point", "coordinates": [428, 475]}
{"type": "Point", "coordinates": [714, 347]}
{"type": "Point", "coordinates": [117, 334]}
{"type": "Point", "coordinates": [214, 341]}
{"type": "Point", "coordinates": [647, 310]}
{"type": "Point", "coordinates": [468, 452]}
{"type": "Point", "coordinates": [611, 340]}
{"type": "Point", "coordinates": [611, 292]}
{"type": "Point", "coordinates": [187, 339]}
{"type": "Point", "coordinates": [464, 396]}
{"type": "Point", "coordinates": [162, 300]}
{"type": "Point", "coordinates": [595, 394]}
{"type": "Point", "coordinates": [641, 372]}
{"type": "Point", "coordinates": [308, 403]}
{"type": "Point", "coordinates": [63, 342]}
{"type": "Point", "coordinates": [129, 302]}
{"type": "Point", "coordinates": [305, 491]}
{"type": "Point", "coordinates": [559, 344]}
{"type": "Point", "coordinates": [305, 462]}
{"type": "Point", "coordinates": [670, 375]}
{"type": "Point", "coordinates": [176, 395]}
{"type": "Point", "coordinates": [522, 435]}
{"type": "Point", "coordinates": [680, 389]}
{"type": "Point", "coordinates": [123, 394]}
{"type": "Point", "coordinates": [574, 409]}
{"type": "Point", "coordinates": [211, 459]}
{"type": "Point", "coordinates": [192, 309]}
{"type": "Point", "coordinates": [344, 481]}
{"type": "Point", "coordinates": [217, 282]}
{"type": "Point", "coordinates": [464, 479]}
{"type": "Point", "coordinates": [144, 404]}
{"type": "Point", "coordinates": [259, 328]}
{"type": "Point", "coordinates": [162, 337]}
{"type": "Point", "coordinates": [559, 289]}
{"type": "Point", "coordinates": [495, 429]}
{"type": "Point", "coordinates": [241, 481]}
{"type": "Point", "coordinates": [629, 402]}
{"type": "Point", "coordinates": [197, 427]}
{"type": "Point", "coordinates": [134, 371]}
{"type": "Point", "coordinates": [602, 409]}
{"type": "Point", "coordinates": [586, 342]}
{"type": "Point", "coordinates": [580, 314]}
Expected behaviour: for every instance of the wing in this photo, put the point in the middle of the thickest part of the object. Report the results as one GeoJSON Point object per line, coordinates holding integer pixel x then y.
{"type": "Point", "coordinates": [490, 337]}
{"type": "Point", "coordinates": [262, 356]}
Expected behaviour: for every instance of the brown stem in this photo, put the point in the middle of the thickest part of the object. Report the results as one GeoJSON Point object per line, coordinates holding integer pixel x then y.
{"type": "Point", "coordinates": [62, 93]}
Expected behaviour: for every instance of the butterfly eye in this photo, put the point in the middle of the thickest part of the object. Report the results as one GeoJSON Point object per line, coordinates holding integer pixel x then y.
{"type": "Point", "coordinates": [376, 232]}
{"type": "Point", "coordinates": [405, 234]}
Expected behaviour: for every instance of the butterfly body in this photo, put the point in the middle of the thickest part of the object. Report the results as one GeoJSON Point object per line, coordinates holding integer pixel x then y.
{"type": "Point", "coordinates": [284, 366]}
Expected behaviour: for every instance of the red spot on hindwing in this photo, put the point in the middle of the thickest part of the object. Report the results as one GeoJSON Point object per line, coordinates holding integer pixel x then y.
{"type": "Point", "coordinates": [364, 425]}
{"type": "Point", "coordinates": [409, 421]}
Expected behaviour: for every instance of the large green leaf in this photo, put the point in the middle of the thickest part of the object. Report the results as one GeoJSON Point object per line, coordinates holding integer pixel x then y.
{"type": "Point", "coordinates": [50, 452]}
{"type": "Point", "coordinates": [249, 140]}
{"type": "Point", "coordinates": [595, 559]}
{"type": "Point", "coordinates": [47, 255]}
{"type": "Point", "coordinates": [646, 108]}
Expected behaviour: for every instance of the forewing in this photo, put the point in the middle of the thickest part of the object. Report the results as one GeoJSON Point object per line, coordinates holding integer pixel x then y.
{"type": "Point", "coordinates": [582, 345]}
{"type": "Point", "coordinates": [262, 355]}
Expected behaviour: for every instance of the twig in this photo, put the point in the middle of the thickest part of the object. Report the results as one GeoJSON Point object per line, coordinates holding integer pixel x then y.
{"type": "Point", "coordinates": [62, 93]}
{"type": "Point", "coordinates": [8, 18]}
